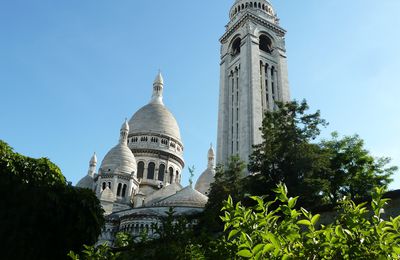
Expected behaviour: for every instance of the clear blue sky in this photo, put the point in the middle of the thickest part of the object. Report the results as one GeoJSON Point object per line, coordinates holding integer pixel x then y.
{"type": "Point", "coordinates": [71, 71]}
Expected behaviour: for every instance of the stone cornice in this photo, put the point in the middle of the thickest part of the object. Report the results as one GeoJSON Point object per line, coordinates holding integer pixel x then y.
{"type": "Point", "coordinates": [160, 153]}
{"type": "Point", "coordinates": [251, 17]}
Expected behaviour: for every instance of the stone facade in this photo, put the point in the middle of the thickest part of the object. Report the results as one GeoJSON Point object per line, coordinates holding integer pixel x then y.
{"type": "Point", "coordinates": [253, 75]}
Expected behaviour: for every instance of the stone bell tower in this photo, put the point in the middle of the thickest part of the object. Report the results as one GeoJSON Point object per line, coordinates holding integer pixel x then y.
{"type": "Point", "coordinates": [253, 76]}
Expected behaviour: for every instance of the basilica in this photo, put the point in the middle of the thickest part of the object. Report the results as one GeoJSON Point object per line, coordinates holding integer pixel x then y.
{"type": "Point", "coordinates": [139, 179]}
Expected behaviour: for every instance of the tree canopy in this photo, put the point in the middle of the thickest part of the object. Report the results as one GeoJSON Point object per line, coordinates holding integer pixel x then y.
{"type": "Point", "coordinates": [320, 172]}
{"type": "Point", "coordinates": [41, 216]}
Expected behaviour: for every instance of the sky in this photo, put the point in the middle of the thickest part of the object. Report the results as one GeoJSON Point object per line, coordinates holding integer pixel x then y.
{"type": "Point", "coordinates": [72, 71]}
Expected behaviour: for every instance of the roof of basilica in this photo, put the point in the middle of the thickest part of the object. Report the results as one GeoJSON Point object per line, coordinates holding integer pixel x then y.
{"type": "Point", "coordinates": [187, 197]}
{"type": "Point", "coordinates": [154, 118]}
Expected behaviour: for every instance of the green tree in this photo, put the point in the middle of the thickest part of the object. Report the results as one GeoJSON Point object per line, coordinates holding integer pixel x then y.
{"type": "Point", "coordinates": [228, 181]}
{"type": "Point", "coordinates": [288, 155]}
{"type": "Point", "coordinates": [353, 172]}
{"type": "Point", "coordinates": [41, 216]}
{"type": "Point", "coordinates": [277, 230]}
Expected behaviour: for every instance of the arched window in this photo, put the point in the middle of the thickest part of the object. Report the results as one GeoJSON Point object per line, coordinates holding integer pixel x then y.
{"type": "Point", "coordinates": [236, 46]}
{"type": "Point", "coordinates": [140, 170]}
{"type": "Point", "coordinates": [104, 185]}
{"type": "Point", "coordinates": [265, 43]}
{"type": "Point", "coordinates": [124, 190]}
{"type": "Point", "coordinates": [171, 174]}
{"type": "Point", "coordinates": [119, 189]}
{"type": "Point", "coordinates": [109, 185]}
{"type": "Point", "coordinates": [177, 176]}
{"type": "Point", "coordinates": [161, 170]}
{"type": "Point", "coordinates": [150, 171]}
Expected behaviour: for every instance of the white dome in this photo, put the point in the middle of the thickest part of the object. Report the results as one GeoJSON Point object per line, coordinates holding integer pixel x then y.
{"type": "Point", "coordinates": [187, 197]}
{"type": "Point", "coordinates": [154, 118]}
{"type": "Point", "coordinates": [204, 181]}
{"type": "Point", "coordinates": [86, 182]}
{"type": "Point", "coordinates": [119, 160]}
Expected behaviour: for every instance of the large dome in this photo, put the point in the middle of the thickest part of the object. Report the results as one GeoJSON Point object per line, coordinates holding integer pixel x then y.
{"type": "Point", "coordinates": [154, 118]}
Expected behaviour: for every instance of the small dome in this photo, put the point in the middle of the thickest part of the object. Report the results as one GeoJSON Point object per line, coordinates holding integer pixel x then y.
{"type": "Point", "coordinates": [204, 181]}
{"type": "Point", "coordinates": [86, 182]}
{"type": "Point", "coordinates": [154, 118]}
{"type": "Point", "coordinates": [119, 160]}
{"type": "Point", "coordinates": [187, 197]}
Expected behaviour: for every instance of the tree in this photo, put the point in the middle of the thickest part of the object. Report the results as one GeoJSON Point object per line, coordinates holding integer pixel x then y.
{"type": "Point", "coordinates": [353, 172]}
{"type": "Point", "coordinates": [41, 216]}
{"type": "Point", "coordinates": [277, 230]}
{"type": "Point", "coordinates": [287, 154]}
{"type": "Point", "coordinates": [228, 181]}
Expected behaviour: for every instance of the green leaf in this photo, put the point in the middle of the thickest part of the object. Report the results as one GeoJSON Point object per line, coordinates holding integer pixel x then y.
{"type": "Point", "coordinates": [339, 231]}
{"type": "Point", "coordinates": [232, 233]}
{"type": "Point", "coordinates": [268, 248]}
{"type": "Point", "coordinates": [292, 202]}
{"type": "Point", "coordinates": [245, 253]}
{"type": "Point", "coordinates": [257, 248]}
{"type": "Point", "coordinates": [304, 222]}
{"type": "Point", "coordinates": [315, 219]}
{"type": "Point", "coordinates": [396, 249]}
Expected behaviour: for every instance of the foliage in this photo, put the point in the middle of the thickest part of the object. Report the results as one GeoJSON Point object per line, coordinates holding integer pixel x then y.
{"type": "Point", "coordinates": [287, 154]}
{"type": "Point", "coordinates": [277, 230]}
{"type": "Point", "coordinates": [172, 239]}
{"type": "Point", "coordinates": [319, 172]}
{"type": "Point", "coordinates": [228, 181]}
{"type": "Point", "coordinates": [353, 172]}
{"type": "Point", "coordinates": [41, 216]}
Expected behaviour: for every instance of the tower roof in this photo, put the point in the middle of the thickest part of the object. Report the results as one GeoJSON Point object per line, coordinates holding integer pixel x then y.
{"type": "Point", "coordinates": [261, 6]}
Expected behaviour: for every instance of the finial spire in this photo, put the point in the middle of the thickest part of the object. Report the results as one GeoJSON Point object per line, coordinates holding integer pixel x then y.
{"type": "Point", "coordinates": [211, 157]}
{"type": "Point", "coordinates": [92, 165]}
{"type": "Point", "coordinates": [158, 86]}
{"type": "Point", "coordinates": [123, 139]}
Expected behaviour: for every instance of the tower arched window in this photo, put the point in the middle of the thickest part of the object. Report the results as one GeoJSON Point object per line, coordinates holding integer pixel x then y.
{"type": "Point", "coordinates": [104, 185]}
{"type": "Point", "coordinates": [236, 46]}
{"type": "Point", "coordinates": [161, 171]}
{"type": "Point", "coordinates": [265, 43]}
{"type": "Point", "coordinates": [140, 167]}
{"type": "Point", "coordinates": [177, 176]}
{"type": "Point", "coordinates": [171, 174]}
{"type": "Point", "coordinates": [150, 171]}
{"type": "Point", "coordinates": [124, 190]}
{"type": "Point", "coordinates": [119, 189]}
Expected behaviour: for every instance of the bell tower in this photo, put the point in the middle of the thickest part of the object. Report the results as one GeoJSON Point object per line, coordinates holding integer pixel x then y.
{"type": "Point", "coordinates": [253, 76]}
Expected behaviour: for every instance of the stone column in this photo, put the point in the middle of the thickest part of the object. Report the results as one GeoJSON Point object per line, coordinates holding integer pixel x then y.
{"type": "Point", "coordinates": [276, 88]}
{"type": "Point", "coordinates": [263, 87]}
{"type": "Point", "coordinates": [269, 87]}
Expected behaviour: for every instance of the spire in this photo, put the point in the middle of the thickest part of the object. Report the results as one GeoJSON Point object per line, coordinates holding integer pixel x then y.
{"type": "Point", "coordinates": [123, 139]}
{"type": "Point", "coordinates": [158, 86]}
{"type": "Point", "coordinates": [92, 165]}
{"type": "Point", "coordinates": [211, 157]}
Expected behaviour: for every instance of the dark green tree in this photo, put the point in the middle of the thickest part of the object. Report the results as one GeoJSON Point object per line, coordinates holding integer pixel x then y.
{"type": "Point", "coordinates": [41, 216]}
{"type": "Point", "coordinates": [228, 181]}
{"type": "Point", "coordinates": [353, 171]}
{"type": "Point", "coordinates": [288, 155]}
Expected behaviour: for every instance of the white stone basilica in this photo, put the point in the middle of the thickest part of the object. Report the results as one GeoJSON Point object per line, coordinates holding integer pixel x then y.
{"type": "Point", "coordinates": [139, 179]}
